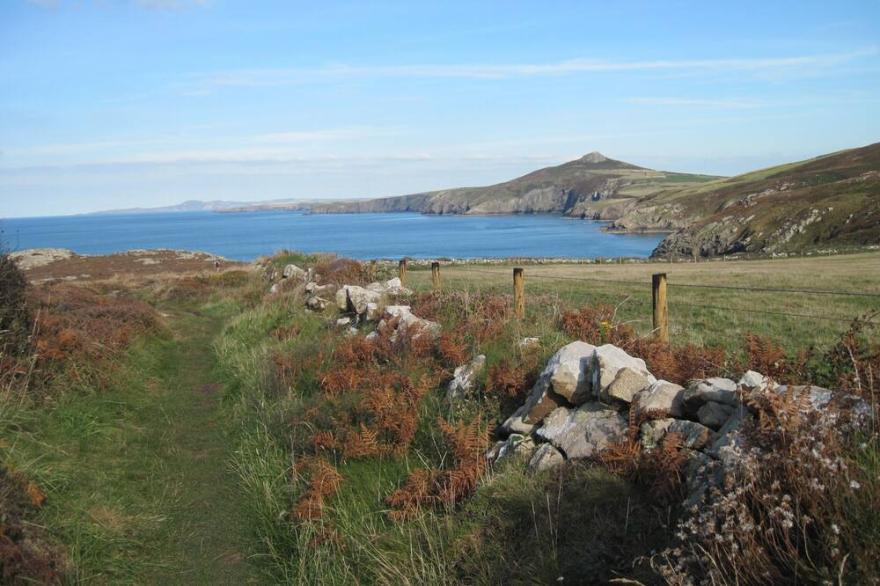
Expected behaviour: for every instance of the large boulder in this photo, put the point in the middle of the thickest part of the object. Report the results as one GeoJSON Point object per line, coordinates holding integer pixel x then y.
{"type": "Point", "coordinates": [583, 432]}
{"type": "Point", "coordinates": [565, 380]}
{"type": "Point", "coordinates": [661, 397]}
{"type": "Point", "coordinates": [609, 359]}
{"type": "Point", "coordinates": [626, 384]}
{"type": "Point", "coordinates": [545, 458]}
{"type": "Point", "coordinates": [569, 371]}
{"type": "Point", "coordinates": [464, 378]}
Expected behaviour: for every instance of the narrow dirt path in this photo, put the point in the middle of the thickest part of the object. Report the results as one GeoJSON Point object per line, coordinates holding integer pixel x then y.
{"type": "Point", "coordinates": [207, 537]}
{"type": "Point", "coordinates": [137, 474]}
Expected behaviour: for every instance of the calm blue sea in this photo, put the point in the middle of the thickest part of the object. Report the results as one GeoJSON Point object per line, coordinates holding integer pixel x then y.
{"type": "Point", "coordinates": [246, 236]}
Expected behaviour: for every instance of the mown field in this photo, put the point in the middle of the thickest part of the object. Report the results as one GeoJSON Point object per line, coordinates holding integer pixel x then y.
{"type": "Point", "coordinates": [698, 313]}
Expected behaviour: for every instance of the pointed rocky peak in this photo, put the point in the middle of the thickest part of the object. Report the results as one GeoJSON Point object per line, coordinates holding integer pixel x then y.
{"type": "Point", "coordinates": [594, 157]}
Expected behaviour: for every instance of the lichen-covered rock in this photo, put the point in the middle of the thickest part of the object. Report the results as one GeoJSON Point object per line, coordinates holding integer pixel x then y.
{"type": "Point", "coordinates": [752, 380]}
{"type": "Point", "coordinates": [357, 298]}
{"type": "Point", "coordinates": [541, 401]}
{"type": "Point", "coordinates": [582, 432]}
{"type": "Point", "coordinates": [609, 359]}
{"type": "Point", "coordinates": [545, 458]}
{"type": "Point", "coordinates": [661, 397]}
{"type": "Point", "coordinates": [529, 343]}
{"type": "Point", "coordinates": [464, 378]}
{"type": "Point", "coordinates": [626, 384]}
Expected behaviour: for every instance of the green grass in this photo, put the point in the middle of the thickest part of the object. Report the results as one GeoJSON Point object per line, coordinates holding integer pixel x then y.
{"type": "Point", "coordinates": [137, 479]}
{"type": "Point", "coordinates": [733, 313]}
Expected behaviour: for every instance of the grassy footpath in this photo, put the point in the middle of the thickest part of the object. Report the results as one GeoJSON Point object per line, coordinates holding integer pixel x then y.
{"type": "Point", "coordinates": [137, 478]}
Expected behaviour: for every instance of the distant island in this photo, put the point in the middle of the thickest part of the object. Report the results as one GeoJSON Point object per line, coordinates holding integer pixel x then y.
{"type": "Point", "coordinates": [831, 200]}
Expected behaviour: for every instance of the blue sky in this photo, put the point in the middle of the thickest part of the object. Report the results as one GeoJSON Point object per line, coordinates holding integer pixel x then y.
{"type": "Point", "coordinates": [121, 103]}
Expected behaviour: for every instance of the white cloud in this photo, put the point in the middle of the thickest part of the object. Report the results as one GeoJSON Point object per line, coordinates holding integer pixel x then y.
{"type": "Point", "coordinates": [288, 76]}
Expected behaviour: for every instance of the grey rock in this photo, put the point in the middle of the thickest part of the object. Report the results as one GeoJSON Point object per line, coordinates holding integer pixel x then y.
{"type": "Point", "coordinates": [609, 359]}
{"type": "Point", "coordinates": [343, 321]}
{"type": "Point", "coordinates": [316, 303]}
{"type": "Point", "coordinates": [714, 415]}
{"type": "Point", "coordinates": [625, 385]}
{"type": "Point", "coordinates": [661, 397]}
{"type": "Point", "coordinates": [694, 435]}
{"type": "Point", "coordinates": [292, 271]}
{"type": "Point", "coordinates": [700, 392]}
{"type": "Point", "coordinates": [545, 458]}
{"type": "Point", "coordinates": [752, 380]}
{"type": "Point", "coordinates": [519, 446]}
{"type": "Point", "coordinates": [583, 432]}
{"type": "Point", "coordinates": [651, 433]}
{"type": "Point", "coordinates": [568, 370]}
{"type": "Point", "coordinates": [464, 378]}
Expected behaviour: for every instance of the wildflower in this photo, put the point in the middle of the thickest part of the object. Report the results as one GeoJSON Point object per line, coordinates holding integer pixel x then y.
{"type": "Point", "coordinates": [835, 528]}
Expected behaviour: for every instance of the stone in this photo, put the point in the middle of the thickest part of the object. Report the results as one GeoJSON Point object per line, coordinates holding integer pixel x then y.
{"type": "Point", "coordinates": [625, 385]}
{"type": "Point", "coordinates": [292, 271]}
{"type": "Point", "coordinates": [395, 287]}
{"type": "Point", "coordinates": [818, 397]}
{"type": "Point", "coordinates": [316, 303]}
{"type": "Point", "coordinates": [464, 378]}
{"type": "Point", "coordinates": [729, 441]}
{"type": "Point", "coordinates": [752, 380]}
{"type": "Point", "coordinates": [652, 432]}
{"type": "Point", "coordinates": [545, 458]}
{"type": "Point", "coordinates": [343, 321]}
{"type": "Point", "coordinates": [357, 298]}
{"type": "Point", "coordinates": [694, 435]}
{"type": "Point", "coordinates": [609, 359]}
{"type": "Point", "coordinates": [529, 343]}
{"type": "Point", "coordinates": [519, 446]}
{"type": "Point", "coordinates": [700, 392]}
{"type": "Point", "coordinates": [541, 401]}
{"type": "Point", "coordinates": [569, 371]}
{"type": "Point", "coordinates": [274, 289]}
{"type": "Point", "coordinates": [714, 415]}
{"type": "Point", "coordinates": [373, 311]}
{"type": "Point", "coordinates": [583, 432]}
{"type": "Point", "coordinates": [661, 397]}
{"type": "Point", "coordinates": [409, 323]}
{"type": "Point", "coordinates": [372, 336]}
{"type": "Point", "coordinates": [342, 299]}
{"type": "Point", "coordinates": [351, 332]}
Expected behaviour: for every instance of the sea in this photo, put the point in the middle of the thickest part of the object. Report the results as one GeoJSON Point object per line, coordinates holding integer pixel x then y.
{"type": "Point", "coordinates": [246, 236]}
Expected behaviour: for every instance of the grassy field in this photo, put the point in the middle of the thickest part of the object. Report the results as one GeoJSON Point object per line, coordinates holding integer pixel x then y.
{"type": "Point", "coordinates": [193, 462]}
{"type": "Point", "coordinates": [818, 318]}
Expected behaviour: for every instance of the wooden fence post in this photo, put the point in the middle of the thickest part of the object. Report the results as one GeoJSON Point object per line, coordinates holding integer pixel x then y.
{"type": "Point", "coordinates": [401, 271]}
{"type": "Point", "coordinates": [519, 297]}
{"type": "Point", "coordinates": [435, 276]}
{"type": "Point", "coordinates": [661, 310]}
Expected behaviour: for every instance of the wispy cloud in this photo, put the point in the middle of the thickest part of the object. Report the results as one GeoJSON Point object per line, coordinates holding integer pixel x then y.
{"type": "Point", "coordinates": [732, 103]}
{"type": "Point", "coordinates": [290, 76]}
